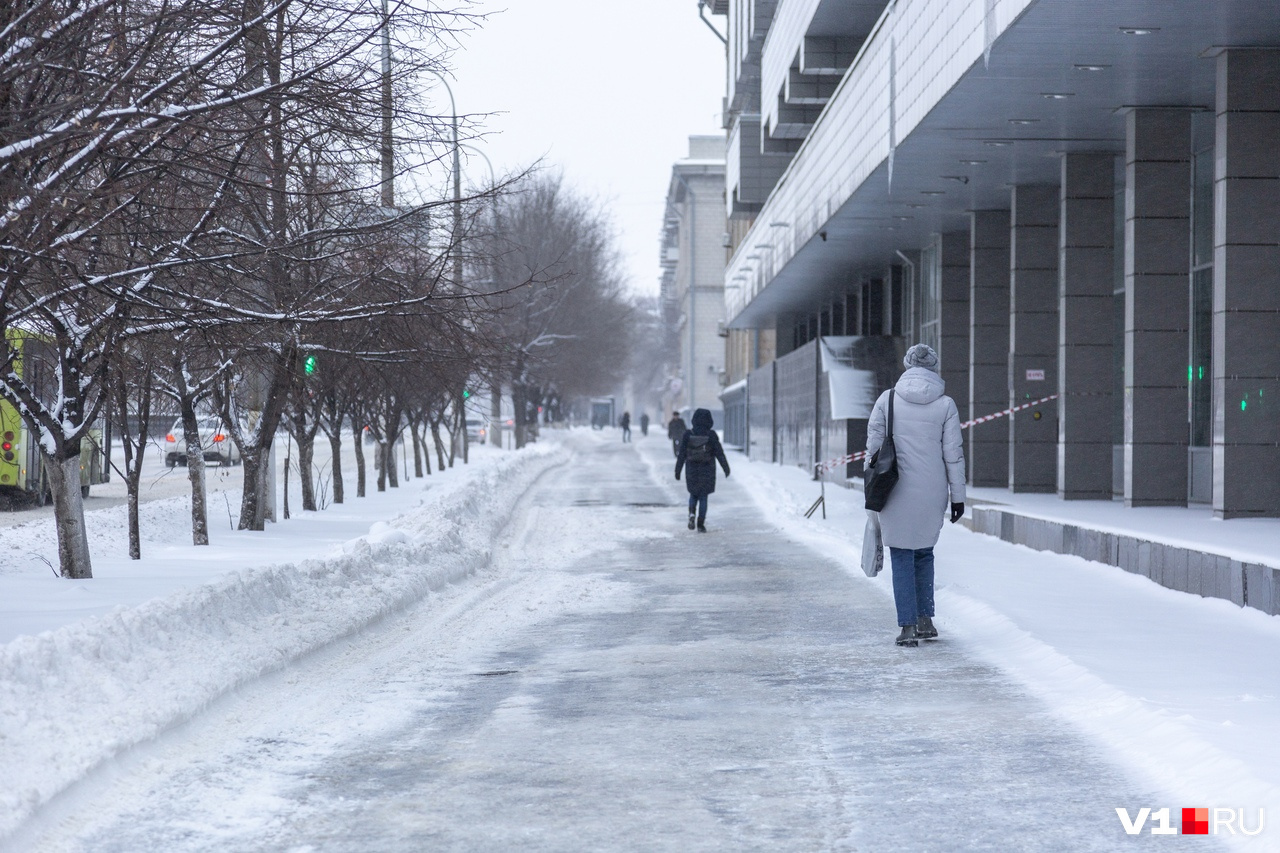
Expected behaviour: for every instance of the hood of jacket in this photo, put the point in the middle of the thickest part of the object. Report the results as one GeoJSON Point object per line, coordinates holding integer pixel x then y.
{"type": "Point", "coordinates": [702, 419]}
{"type": "Point", "coordinates": [920, 385]}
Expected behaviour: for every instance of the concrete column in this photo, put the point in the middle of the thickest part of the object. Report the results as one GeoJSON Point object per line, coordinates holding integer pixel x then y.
{"type": "Point", "coordinates": [1086, 234]}
{"type": "Point", "coordinates": [1246, 286]}
{"type": "Point", "coordinates": [954, 340]}
{"type": "Point", "coordinates": [988, 443]}
{"type": "Point", "coordinates": [1033, 336]}
{"type": "Point", "coordinates": [1157, 306]}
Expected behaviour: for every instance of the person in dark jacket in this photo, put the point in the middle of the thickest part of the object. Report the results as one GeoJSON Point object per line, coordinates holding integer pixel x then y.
{"type": "Point", "coordinates": [675, 431]}
{"type": "Point", "coordinates": [699, 452]}
{"type": "Point", "coordinates": [625, 423]}
{"type": "Point", "coordinates": [644, 423]}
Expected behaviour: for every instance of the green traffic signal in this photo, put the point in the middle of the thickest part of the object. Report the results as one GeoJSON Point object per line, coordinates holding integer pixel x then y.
{"type": "Point", "coordinates": [465, 393]}
{"type": "Point", "coordinates": [309, 364]}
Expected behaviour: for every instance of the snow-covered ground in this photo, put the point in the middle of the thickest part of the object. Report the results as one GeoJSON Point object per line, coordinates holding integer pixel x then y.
{"type": "Point", "coordinates": [1181, 692]}
{"type": "Point", "coordinates": [92, 667]}
{"type": "Point", "coordinates": [32, 600]}
{"type": "Point", "coordinates": [1251, 540]}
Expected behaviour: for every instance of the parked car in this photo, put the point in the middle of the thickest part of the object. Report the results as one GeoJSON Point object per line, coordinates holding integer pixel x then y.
{"type": "Point", "coordinates": [477, 430]}
{"type": "Point", "coordinates": [215, 443]}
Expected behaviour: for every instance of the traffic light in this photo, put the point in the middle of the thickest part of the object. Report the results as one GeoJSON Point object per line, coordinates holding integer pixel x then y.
{"type": "Point", "coordinates": [309, 364]}
{"type": "Point", "coordinates": [466, 393]}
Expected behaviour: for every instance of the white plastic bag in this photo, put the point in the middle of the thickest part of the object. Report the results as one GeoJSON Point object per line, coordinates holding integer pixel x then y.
{"type": "Point", "coordinates": [872, 548]}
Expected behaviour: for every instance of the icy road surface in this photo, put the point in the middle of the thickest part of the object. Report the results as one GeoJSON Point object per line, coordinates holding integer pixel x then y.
{"type": "Point", "coordinates": [616, 682]}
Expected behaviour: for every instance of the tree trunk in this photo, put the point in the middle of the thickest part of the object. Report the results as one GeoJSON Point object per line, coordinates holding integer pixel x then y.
{"type": "Point", "coordinates": [253, 504]}
{"type": "Point", "coordinates": [417, 451]}
{"type": "Point", "coordinates": [252, 463]}
{"type": "Point", "coordinates": [288, 463]}
{"type": "Point", "coordinates": [435, 434]}
{"type": "Point", "coordinates": [426, 450]}
{"type": "Point", "coordinates": [195, 473]}
{"type": "Point", "coordinates": [495, 419]}
{"type": "Point", "coordinates": [517, 399]}
{"type": "Point", "coordinates": [135, 528]}
{"type": "Point", "coordinates": [68, 514]}
{"type": "Point", "coordinates": [335, 447]}
{"type": "Point", "coordinates": [135, 448]}
{"type": "Point", "coordinates": [393, 476]}
{"type": "Point", "coordinates": [382, 466]}
{"type": "Point", "coordinates": [359, 440]}
{"type": "Point", "coordinates": [306, 482]}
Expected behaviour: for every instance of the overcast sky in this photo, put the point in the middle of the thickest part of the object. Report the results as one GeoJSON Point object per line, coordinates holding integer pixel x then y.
{"type": "Point", "coordinates": [606, 91]}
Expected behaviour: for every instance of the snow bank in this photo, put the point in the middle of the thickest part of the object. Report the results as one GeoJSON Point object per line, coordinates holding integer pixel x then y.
{"type": "Point", "coordinates": [74, 697]}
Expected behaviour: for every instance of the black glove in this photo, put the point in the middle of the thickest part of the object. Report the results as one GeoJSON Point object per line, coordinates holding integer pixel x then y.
{"type": "Point", "coordinates": [957, 510]}
{"type": "Point", "coordinates": [677, 475]}
{"type": "Point", "coordinates": [726, 473]}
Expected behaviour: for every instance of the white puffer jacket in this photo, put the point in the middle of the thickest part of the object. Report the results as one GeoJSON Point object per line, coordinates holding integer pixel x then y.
{"type": "Point", "coordinates": [926, 435]}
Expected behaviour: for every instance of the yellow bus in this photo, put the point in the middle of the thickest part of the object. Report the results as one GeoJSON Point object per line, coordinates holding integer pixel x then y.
{"type": "Point", "coordinates": [21, 468]}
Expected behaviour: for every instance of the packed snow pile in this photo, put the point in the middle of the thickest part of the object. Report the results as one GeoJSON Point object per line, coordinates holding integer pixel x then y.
{"type": "Point", "coordinates": [74, 697]}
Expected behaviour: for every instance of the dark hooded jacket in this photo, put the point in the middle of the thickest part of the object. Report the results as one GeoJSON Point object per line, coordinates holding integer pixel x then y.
{"type": "Point", "coordinates": [701, 476]}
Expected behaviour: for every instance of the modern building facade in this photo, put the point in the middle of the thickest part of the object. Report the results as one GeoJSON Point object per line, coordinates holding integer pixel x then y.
{"type": "Point", "coordinates": [693, 259]}
{"type": "Point", "coordinates": [1069, 199]}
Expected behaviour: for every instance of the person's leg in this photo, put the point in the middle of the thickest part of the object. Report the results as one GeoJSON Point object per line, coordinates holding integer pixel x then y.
{"type": "Point", "coordinates": [904, 585]}
{"type": "Point", "coordinates": [925, 629]}
{"type": "Point", "coordinates": [693, 506]}
{"type": "Point", "coordinates": [702, 512]}
{"type": "Point", "coordinates": [924, 581]}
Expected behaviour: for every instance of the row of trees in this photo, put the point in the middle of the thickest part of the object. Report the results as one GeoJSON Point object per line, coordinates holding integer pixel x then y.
{"type": "Point", "coordinates": [189, 211]}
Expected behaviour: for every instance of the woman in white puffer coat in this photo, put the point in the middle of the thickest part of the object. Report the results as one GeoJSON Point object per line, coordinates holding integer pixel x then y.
{"type": "Point", "coordinates": [926, 436]}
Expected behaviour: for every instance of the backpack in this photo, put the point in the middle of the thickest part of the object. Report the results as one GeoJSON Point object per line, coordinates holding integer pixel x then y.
{"type": "Point", "coordinates": [698, 449]}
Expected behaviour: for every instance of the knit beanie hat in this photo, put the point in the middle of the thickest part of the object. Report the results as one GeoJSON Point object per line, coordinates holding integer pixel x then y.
{"type": "Point", "coordinates": [922, 355]}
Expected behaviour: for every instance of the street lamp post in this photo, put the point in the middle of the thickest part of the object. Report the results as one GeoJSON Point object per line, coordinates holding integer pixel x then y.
{"type": "Point", "coordinates": [457, 233]}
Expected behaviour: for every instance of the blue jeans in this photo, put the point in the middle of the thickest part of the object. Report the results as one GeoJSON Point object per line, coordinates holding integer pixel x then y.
{"type": "Point", "coordinates": [699, 503]}
{"type": "Point", "coordinates": [912, 583]}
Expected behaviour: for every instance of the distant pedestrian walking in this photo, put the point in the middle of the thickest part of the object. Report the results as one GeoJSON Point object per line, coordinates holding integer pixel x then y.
{"type": "Point", "coordinates": [698, 454]}
{"type": "Point", "coordinates": [926, 437]}
{"type": "Point", "coordinates": [625, 423]}
{"type": "Point", "coordinates": [644, 423]}
{"type": "Point", "coordinates": [675, 431]}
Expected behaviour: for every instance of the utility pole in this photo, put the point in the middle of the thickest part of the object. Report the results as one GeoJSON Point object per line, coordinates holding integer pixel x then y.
{"type": "Point", "coordinates": [387, 151]}
{"type": "Point", "coordinates": [457, 254]}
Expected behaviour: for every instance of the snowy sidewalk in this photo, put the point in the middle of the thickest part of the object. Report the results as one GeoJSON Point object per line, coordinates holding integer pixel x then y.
{"type": "Point", "coordinates": [548, 660]}
{"type": "Point", "coordinates": [613, 681]}
{"type": "Point", "coordinates": [1182, 690]}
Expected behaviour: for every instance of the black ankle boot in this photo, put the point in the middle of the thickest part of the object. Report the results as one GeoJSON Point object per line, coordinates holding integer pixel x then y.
{"type": "Point", "coordinates": [908, 636]}
{"type": "Point", "coordinates": [925, 629]}
{"type": "Point", "coordinates": [691, 520]}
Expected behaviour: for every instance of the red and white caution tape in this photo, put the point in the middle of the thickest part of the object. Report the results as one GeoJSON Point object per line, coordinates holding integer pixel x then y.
{"type": "Point", "coordinates": [985, 418]}
{"type": "Point", "coordinates": [854, 457]}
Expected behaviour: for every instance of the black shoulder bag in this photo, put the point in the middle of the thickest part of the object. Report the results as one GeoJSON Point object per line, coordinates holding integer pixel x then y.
{"type": "Point", "coordinates": [881, 471]}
